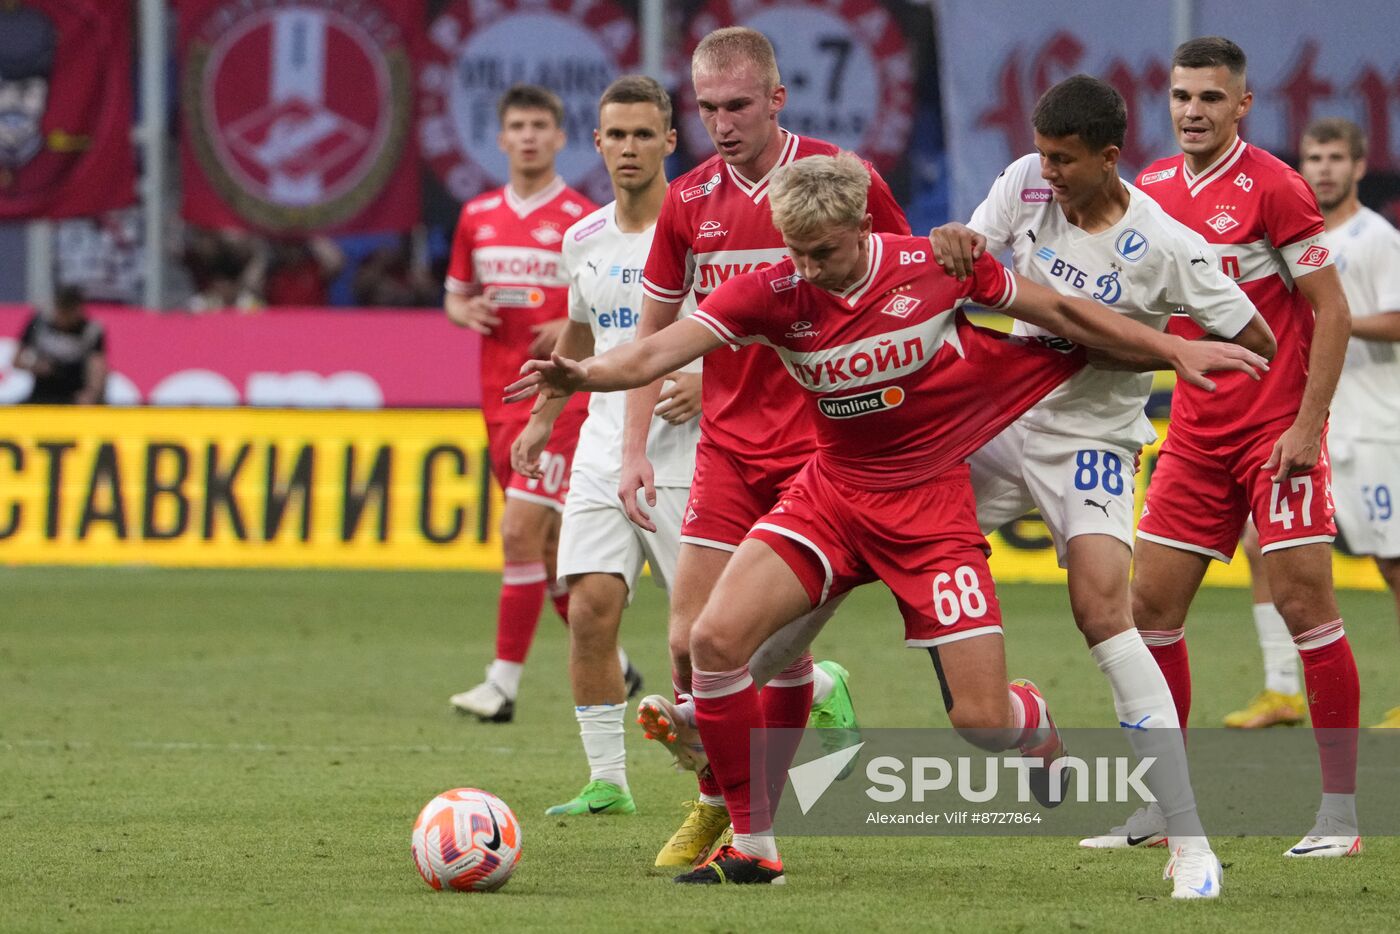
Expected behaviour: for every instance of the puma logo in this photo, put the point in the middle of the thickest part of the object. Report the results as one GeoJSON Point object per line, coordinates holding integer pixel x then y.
{"type": "Point", "coordinates": [1103, 506]}
{"type": "Point", "coordinates": [1031, 234]}
{"type": "Point", "coordinates": [1198, 259]}
{"type": "Point", "coordinates": [593, 265]}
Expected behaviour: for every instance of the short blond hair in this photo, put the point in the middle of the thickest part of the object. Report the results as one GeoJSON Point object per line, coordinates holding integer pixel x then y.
{"type": "Point", "coordinates": [818, 193]}
{"type": "Point", "coordinates": [732, 48]}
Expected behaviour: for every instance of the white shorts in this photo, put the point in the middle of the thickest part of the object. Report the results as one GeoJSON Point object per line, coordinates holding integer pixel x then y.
{"type": "Point", "coordinates": [1081, 486]}
{"type": "Point", "coordinates": [597, 537]}
{"type": "Point", "coordinates": [1366, 490]}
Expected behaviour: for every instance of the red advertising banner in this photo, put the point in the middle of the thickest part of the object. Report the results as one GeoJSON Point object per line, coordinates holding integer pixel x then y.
{"type": "Point", "coordinates": [65, 108]}
{"type": "Point", "coordinates": [475, 51]}
{"type": "Point", "coordinates": [298, 358]}
{"type": "Point", "coordinates": [297, 114]}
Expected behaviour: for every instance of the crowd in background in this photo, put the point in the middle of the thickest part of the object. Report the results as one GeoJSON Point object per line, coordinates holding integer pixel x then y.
{"type": "Point", "coordinates": [231, 270]}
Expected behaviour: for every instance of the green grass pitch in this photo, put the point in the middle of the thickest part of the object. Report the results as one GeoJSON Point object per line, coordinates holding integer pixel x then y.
{"type": "Point", "coordinates": [246, 751]}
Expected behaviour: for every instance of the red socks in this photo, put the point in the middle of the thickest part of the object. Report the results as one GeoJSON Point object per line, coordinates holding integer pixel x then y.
{"type": "Point", "coordinates": [787, 703]}
{"type": "Point", "coordinates": [1168, 647]}
{"type": "Point", "coordinates": [522, 598]}
{"type": "Point", "coordinates": [1334, 700]}
{"type": "Point", "coordinates": [726, 709]}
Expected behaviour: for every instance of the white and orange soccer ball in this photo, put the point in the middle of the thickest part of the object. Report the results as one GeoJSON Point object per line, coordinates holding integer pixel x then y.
{"type": "Point", "coordinates": [466, 839]}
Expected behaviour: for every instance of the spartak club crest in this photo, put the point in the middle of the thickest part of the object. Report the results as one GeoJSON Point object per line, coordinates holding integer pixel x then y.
{"type": "Point", "coordinates": [298, 111]}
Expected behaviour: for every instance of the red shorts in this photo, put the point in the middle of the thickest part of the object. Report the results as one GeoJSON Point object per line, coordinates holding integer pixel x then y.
{"type": "Point", "coordinates": [557, 460]}
{"type": "Point", "coordinates": [1198, 499]}
{"type": "Point", "coordinates": [728, 495]}
{"type": "Point", "coordinates": [923, 542]}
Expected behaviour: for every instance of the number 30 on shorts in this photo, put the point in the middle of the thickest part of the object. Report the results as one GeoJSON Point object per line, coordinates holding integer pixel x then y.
{"type": "Point", "coordinates": [552, 468]}
{"type": "Point", "coordinates": [1098, 468]}
{"type": "Point", "coordinates": [957, 595]}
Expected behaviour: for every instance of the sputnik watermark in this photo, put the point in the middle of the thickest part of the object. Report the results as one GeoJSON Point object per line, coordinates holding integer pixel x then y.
{"type": "Point", "coordinates": [907, 782]}
{"type": "Point", "coordinates": [1116, 779]}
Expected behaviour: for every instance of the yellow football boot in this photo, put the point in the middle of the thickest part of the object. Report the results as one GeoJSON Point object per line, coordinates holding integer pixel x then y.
{"type": "Point", "coordinates": [695, 838]}
{"type": "Point", "coordinates": [1269, 708]}
{"type": "Point", "coordinates": [1391, 721]}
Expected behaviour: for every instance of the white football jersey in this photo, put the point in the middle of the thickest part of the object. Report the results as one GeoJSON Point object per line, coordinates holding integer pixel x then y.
{"type": "Point", "coordinates": [1367, 403]}
{"type": "Point", "coordinates": [1147, 266]}
{"type": "Point", "coordinates": [604, 269]}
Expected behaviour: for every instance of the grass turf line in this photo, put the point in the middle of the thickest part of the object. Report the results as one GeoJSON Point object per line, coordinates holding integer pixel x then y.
{"type": "Point", "coordinates": [185, 750]}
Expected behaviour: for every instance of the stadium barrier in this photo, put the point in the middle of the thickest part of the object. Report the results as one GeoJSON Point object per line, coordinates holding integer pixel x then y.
{"type": "Point", "coordinates": [282, 357]}
{"type": "Point", "coordinates": [246, 488]}
{"type": "Point", "coordinates": [287, 488]}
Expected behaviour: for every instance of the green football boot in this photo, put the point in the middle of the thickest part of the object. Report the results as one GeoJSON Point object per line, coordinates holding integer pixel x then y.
{"type": "Point", "coordinates": [596, 798]}
{"type": "Point", "coordinates": [836, 716]}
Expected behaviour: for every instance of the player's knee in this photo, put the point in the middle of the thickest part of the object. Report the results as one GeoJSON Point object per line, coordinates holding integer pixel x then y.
{"type": "Point", "coordinates": [1294, 604]}
{"type": "Point", "coordinates": [679, 644]}
{"type": "Point", "coordinates": [1304, 600]}
{"type": "Point", "coordinates": [595, 637]}
{"type": "Point", "coordinates": [522, 537]}
{"type": "Point", "coordinates": [591, 613]}
{"type": "Point", "coordinates": [1102, 623]}
{"type": "Point", "coordinates": [714, 649]}
{"type": "Point", "coordinates": [1146, 612]}
{"type": "Point", "coordinates": [982, 721]}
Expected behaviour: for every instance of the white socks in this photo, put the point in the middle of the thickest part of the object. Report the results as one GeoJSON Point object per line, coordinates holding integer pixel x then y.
{"type": "Point", "coordinates": [1280, 654]}
{"type": "Point", "coordinates": [764, 846]}
{"type": "Point", "coordinates": [506, 676]}
{"type": "Point", "coordinates": [600, 728]}
{"type": "Point", "coordinates": [822, 684]}
{"type": "Point", "coordinates": [1144, 706]}
{"type": "Point", "coordinates": [1339, 809]}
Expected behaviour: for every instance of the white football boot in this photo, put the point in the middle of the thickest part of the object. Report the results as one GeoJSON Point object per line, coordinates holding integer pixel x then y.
{"type": "Point", "coordinates": [487, 702]}
{"type": "Point", "coordinates": [1329, 838]}
{"type": "Point", "coordinates": [1195, 873]}
{"type": "Point", "coordinates": [1147, 827]}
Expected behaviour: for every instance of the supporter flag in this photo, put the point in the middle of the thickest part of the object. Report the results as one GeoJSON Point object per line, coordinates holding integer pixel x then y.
{"type": "Point", "coordinates": [298, 116]}
{"type": "Point", "coordinates": [65, 108]}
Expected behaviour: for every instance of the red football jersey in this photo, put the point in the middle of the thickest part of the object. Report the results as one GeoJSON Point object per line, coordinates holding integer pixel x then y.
{"type": "Point", "coordinates": [716, 224]}
{"type": "Point", "coordinates": [1263, 222]}
{"type": "Point", "coordinates": [509, 248]}
{"type": "Point", "coordinates": [900, 386]}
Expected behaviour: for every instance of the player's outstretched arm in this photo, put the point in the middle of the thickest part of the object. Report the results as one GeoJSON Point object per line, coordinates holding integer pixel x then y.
{"type": "Point", "coordinates": [1299, 447]}
{"type": "Point", "coordinates": [575, 342]}
{"type": "Point", "coordinates": [625, 367]}
{"type": "Point", "coordinates": [636, 473]}
{"type": "Point", "coordinates": [1257, 336]}
{"type": "Point", "coordinates": [1382, 326]}
{"type": "Point", "coordinates": [1098, 327]}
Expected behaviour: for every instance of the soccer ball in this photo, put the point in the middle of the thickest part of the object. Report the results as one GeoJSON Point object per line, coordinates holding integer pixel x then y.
{"type": "Point", "coordinates": [466, 839]}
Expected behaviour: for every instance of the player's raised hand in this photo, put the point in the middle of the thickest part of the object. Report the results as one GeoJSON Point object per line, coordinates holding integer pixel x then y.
{"type": "Point", "coordinates": [1296, 450]}
{"type": "Point", "coordinates": [680, 397]}
{"type": "Point", "coordinates": [553, 379]}
{"type": "Point", "coordinates": [1194, 359]}
{"type": "Point", "coordinates": [475, 313]}
{"type": "Point", "coordinates": [527, 447]}
{"type": "Point", "coordinates": [546, 336]}
{"type": "Point", "coordinates": [956, 247]}
{"type": "Point", "coordinates": [637, 477]}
